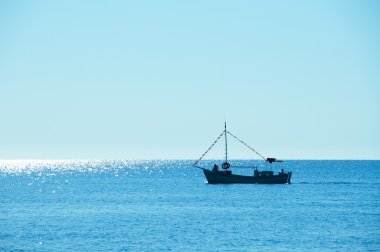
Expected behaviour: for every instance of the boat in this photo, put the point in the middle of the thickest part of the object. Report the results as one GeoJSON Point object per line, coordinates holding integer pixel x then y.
{"type": "Point", "coordinates": [225, 175]}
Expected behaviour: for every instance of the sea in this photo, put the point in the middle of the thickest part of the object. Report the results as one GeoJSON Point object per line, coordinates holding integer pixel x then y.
{"type": "Point", "coordinates": [167, 205]}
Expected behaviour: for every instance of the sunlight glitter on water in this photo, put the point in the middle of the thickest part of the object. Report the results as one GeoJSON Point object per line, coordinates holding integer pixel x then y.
{"type": "Point", "coordinates": [85, 166]}
{"type": "Point", "coordinates": [28, 166]}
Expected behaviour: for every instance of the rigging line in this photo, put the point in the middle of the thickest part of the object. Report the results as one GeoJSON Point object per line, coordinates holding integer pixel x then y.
{"type": "Point", "coordinates": [246, 145]}
{"type": "Point", "coordinates": [209, 149]}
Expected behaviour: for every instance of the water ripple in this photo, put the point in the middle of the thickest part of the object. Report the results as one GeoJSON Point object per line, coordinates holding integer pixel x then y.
{"type": "Point", "coordinates": [54, 167]}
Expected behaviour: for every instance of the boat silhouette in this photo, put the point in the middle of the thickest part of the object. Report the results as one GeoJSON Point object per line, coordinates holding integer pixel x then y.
{"type": "Point", "coordinates": [225, 175]}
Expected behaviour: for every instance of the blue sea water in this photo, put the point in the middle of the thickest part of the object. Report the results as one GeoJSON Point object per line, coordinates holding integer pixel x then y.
{"type": "Point", "coordinates": [168, 206]}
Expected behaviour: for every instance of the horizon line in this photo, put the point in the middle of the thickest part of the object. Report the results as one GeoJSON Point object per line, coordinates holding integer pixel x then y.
{"type": "Point", "coordinates": [180, 159]}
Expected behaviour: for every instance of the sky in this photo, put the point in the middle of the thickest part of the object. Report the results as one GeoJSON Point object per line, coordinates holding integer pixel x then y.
{"type": "Point", "coordinates": [157, 79]}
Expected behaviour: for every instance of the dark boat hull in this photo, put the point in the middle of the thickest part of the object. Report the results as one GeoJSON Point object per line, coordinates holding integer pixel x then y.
{"type": "Point", "coordinates": [221, 177]}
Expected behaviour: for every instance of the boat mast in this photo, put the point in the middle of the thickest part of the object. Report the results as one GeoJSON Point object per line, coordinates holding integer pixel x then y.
{"type": "Point", "coordinates": [225, 139]}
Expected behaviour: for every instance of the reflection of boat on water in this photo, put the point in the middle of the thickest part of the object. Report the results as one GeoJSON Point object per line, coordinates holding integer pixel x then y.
{"type": "Point", "coordinates": [225, 175]}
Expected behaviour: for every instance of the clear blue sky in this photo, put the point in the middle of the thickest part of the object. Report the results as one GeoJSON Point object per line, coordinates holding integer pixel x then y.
{"type": "Point", "coordinates": [156, 79]}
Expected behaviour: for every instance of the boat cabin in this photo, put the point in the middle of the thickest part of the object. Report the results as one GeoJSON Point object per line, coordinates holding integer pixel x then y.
{"type": "Point", "coordinates": [225, 171]}
{"type": "Point", "coordinates": [262, 173]}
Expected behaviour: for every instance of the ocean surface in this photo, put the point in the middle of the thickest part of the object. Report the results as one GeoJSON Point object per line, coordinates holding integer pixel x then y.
{"type": "Point", "coordinates": [168, 206]}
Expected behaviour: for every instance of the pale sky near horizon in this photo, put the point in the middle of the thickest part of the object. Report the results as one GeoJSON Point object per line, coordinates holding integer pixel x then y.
{"type": "Point", "coordinates": [157, 79]}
